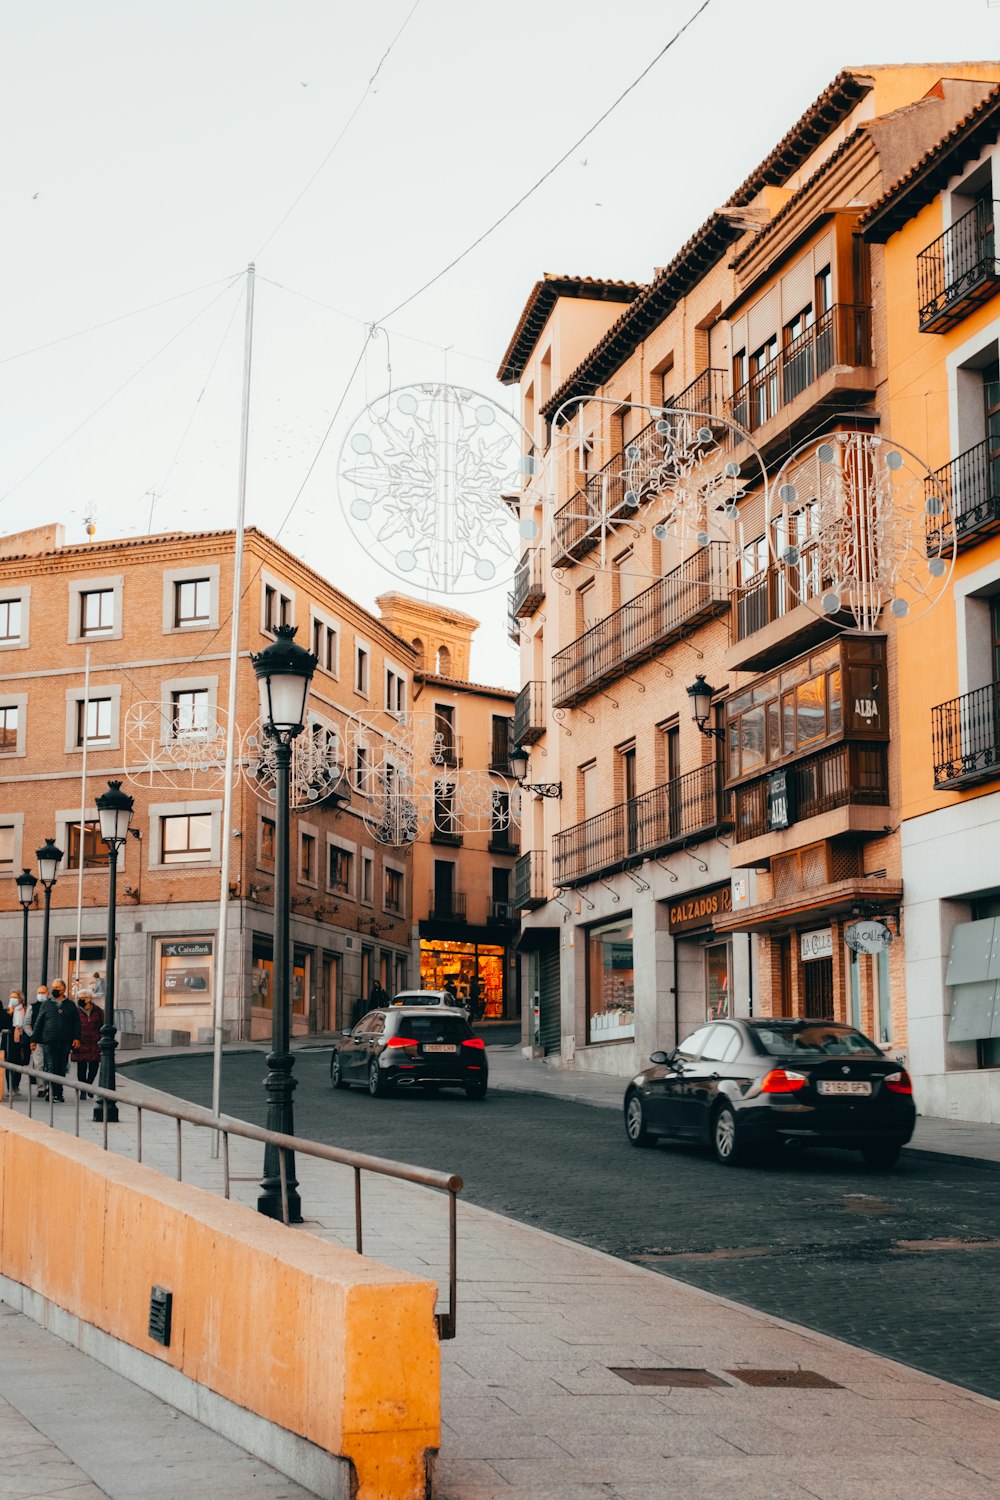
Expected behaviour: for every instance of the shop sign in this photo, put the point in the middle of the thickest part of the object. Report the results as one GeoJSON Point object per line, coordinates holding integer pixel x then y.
{"type": "Point", "coordinates": [696, 912]}
{"type": "Point", "coordinates": [868, 937]}
{"type": "Point", "coordinates": [816, 944]}
{"type": "Point", "coordinates": [187, 950]}
{"type": "Point", "coordinates": [780, 812]}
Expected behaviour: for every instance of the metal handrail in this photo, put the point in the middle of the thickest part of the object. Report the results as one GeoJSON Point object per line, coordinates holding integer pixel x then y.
{"type": "Point", "coordinates": [226, 1126]}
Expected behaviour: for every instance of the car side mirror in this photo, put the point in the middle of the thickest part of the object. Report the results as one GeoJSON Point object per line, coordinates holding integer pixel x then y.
{"type": "Point", "coordinates": [347, 1031]}
{"type": "Point", "coordinates": [661, 1059]}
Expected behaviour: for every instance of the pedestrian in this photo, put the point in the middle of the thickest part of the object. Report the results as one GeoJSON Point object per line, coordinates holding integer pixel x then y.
{"type": "Point", "coordinates": [41, 996]}
{"type": "Point", "coordinates": [57, 1032]}
{"type": "Point", "coordinates": [378, 996]}
{"type": "Point", "coordinates": [449, 988]}
{"type": "Point", "coordinates": [88, 1054]}
{"type": "Point", "coordinates": [15, 1037]}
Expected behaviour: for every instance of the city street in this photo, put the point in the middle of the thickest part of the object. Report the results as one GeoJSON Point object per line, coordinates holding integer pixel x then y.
{"type": "Point", "coordinates": [902, 1263]}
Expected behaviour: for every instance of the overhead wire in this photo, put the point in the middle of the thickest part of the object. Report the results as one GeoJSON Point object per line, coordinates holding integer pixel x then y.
{"type": "Point", "coordinates": [551, 170]}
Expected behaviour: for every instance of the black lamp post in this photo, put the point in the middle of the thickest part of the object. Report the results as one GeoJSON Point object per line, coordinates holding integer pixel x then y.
{"type": "Point", "coordinates": [284, 671]}
{"type": "Point", "coordinates": [701, 694]}
{"type": "Point", "coordinates": [25, 883]}
{"type": "Point", "coordinates": [519, 769]}
{"type": "Point", "coordinates": [114, 808]}
{"type": "Point", "coordinates": [48, 857]}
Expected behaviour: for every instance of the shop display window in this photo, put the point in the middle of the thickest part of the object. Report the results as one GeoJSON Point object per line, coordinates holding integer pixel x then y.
{"type": "Point", "coordinates": [610, 982]}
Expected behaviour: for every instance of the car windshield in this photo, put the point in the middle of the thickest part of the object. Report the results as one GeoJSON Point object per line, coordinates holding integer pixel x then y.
{"type": "Point", "coordinates": [419, 999]}
{"type": "Point", "coordinates": [436, 1028]}
{"type": "Point", "coordinates": [820, 1039]}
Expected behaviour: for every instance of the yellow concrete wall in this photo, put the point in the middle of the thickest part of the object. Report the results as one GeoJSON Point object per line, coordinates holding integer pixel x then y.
{"type": "Point", "coordinates": [325, 1343]}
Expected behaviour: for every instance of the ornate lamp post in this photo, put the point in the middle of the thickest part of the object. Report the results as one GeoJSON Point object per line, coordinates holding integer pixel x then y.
{"type": "Point", "coordinates": [284, 671]}
{"type": "Point", "coordinates": [48, 856]}
{"type": "Point", "coordinates": [701, 694]}
{"type": "Point", "coordinates": [25, 883]}
{"type": "Point", "coordinates": [114, 808]}
{"type": "Point", "coordinates": [518, 762]}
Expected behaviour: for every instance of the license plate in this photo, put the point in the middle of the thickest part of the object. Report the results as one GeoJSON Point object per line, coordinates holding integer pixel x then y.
{"type": "Point", "coordinates": [439, 1047]}
{"type": "Point", "coordinates": [842, 1086]}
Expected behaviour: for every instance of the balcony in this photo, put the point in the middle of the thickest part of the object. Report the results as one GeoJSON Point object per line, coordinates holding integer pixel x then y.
{"type": "Point", "coordinates": [447, 748]}
{"type": "Point", "coordinates": [775, 615]}
{"type": "Point", "coordinates": [529, 714]}
{"type": "Point", "coordinates": [686, 810]}
{"type": "Point", "coordinates": [813, 378]}
{"type": "Point", "coordinates": [966, 737]}
{"type": "Point", "coordinates": [446, 906]}
{"type": "Point", "coordinates": [846, 775]}
{"type": "Point", "coordinates": [697, 590]}
{"type": "Point", "coordinates": [706, 393]}
{"type": "Point", "coordinates": [513, 623]}
{"type": "Point", "coordinates": [502, 913]}
{"type": "Point", "coordinates": [971, 484]}
{"type": "Point", "coordinates": [529, 881]}
{"type": "Point", "coordinates": [958, 270]}
{"type": "Point", "coordinates": [529, 583]}
{"type": "Point", "coordinates": [504, 840]}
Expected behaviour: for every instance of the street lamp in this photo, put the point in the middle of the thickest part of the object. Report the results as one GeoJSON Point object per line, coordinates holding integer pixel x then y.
{"type": "Point", "coordinates": [518, 761]}
{"type": "Point", "coordinates": [25, 883]}
{"type": "Point", "coordinates": [701, 694]}
{"type": "Point", "coordinates": [284, 671]}
{"type": "Point", "coordinates": [114, 809]}
{"type": "Point", "coordinates": [48, 857]}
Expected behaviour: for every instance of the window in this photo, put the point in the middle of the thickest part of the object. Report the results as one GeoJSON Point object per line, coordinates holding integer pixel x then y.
{"type": "Point", "coordinates": [610, 982]}
{"type": "Point", "coordinates": [393, 900]}
{"type": "Point", "coordinates": [192, 602]}
{"type": "Point", "coordinates": [185, 838]}
{"type": "Point", "coordinates": [586, 607]}
{"type": "Point", "coordinates": [722, 1045]}
{"type": "Point", "coordinates": [189, 713]}
{"type": "Point", "coordinates": [445, 820]}
{"type": "Point", "coordinates": [340, 870]}
{"type": "Point", "coordinates": [445, 745]}
{"type": "Point", "coordinates": [10, 620]}
{"type": "Point", "coordinates": [324, 644]}
{"type": "Point", "coordinates": [362, 769]}
{"type": "Point", "coordinates": [266, 853]}
{"type": "Point", "coordinates": [502, 831]}
{"type": "Point", "coordinates": [367, 878]}
{"type": "Point", "coordinates": [6, 847]}
{"type": "Point", "coordinates": [95, 850]}
{"type": "Point", "coordinates": [362, 670]}
{"type": "Point", "coordinates": [93, 721]}
{"type": "Point", "coordinates": [824, 291]}
{"type": "Point", "coordinates": [764, 378]}
{"type": "Point", "coordinates": [307, 858]}
{"type": "Point", "coordinates": [10, 720]}
{"type": "Point", "coordinates": [628, 582]}
{"type": "Point", "coordinates": [277, 607]}
{"type": "Point", "coordinates": [500, 744]}
{"type": "Point", "coordinates": [97, 612]}
{"type": "Point", "coordinates": [395, 691]}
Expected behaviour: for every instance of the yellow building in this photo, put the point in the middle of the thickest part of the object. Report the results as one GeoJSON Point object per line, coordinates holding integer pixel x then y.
{"type": "Point", "coordinates": [942, 298]}
{"type": "Point", "coordinates": [689, 870]}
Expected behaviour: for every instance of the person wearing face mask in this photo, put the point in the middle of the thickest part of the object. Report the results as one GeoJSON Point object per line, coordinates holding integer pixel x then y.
{"type": "Point", "coordinates": [88, 1054]}
{"type": "Point", "coordinates": [14, 1042]}
{"type": "Point", "coordinates": [41, 995]}
{"type": "Point", "coordinates": [57, 1032]}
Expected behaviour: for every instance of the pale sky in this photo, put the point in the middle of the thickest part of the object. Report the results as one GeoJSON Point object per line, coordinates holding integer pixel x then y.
{"type": "Point", "coordinates": [152, 150]}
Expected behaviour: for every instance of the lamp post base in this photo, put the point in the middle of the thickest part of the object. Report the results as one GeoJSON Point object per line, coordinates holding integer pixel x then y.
{"type": "Point", "coordinates": [112, 1112]}
{"type": "Point", "coordinates": [279, 1085]}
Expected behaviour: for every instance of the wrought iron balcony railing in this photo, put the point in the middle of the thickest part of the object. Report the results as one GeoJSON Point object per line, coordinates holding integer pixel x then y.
{"type": "Point", "coordinates": [446, 906]}
{"type": "Point", "coordinates": [846, 775]}
{"type": "Point", "coordinates": [773, 592]}
{"type": "Point", "coordinates": [689, 808]}
{"type": "Point", "coordinates": [694, 591]}
{"type": "Point", "coordinates": [529, 582]}
{"type": "Point", "coordinates": [841, 336]}
{"type": "Point", "coordinates": [958, 270]}
{"type": "Point", "coordinates": [529, 880]}
{"type": "Point", "coordinates": [529, 714]}
{"type": "Point", "coordinates": [971, 483]}
{"type": "Point", "coordinates": [504, 840]}
{"type": "Point", "coordinates": [502, 912]}
{"type": "Point", "coordinates": [706, 393]}
{"type": "Point", "coordinates": [966, 738]}
{"type": "Point", "coordinates": [513, 622]}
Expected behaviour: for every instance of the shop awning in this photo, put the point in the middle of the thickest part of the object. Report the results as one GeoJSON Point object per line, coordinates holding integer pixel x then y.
{"type": "Point", "coordinates": [807, 907]}
{"type": "Point", "coordinates": [533, 939]}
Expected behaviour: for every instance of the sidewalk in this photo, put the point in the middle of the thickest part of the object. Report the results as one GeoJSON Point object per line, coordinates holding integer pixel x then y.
{"type": "Point", "coordinates": [531, 1401]}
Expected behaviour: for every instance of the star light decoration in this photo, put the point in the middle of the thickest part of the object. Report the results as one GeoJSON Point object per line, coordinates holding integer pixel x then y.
{"type": "Point", "coordinates": [859, 524]}
{"type": "Point", "coordinates": [162, 749]}
{"type": "Point", "coordinates": [318, 774]}
{"type": "Point", "coordinates": [428, 478]}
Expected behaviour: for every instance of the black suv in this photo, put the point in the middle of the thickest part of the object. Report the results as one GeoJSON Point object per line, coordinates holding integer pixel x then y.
{"type": "Point", "coordinates": [413, 1046]}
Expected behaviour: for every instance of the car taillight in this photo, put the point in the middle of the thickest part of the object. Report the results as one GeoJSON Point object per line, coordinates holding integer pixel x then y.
{"type": "Point", "coordinates": [401, 1041]}
{"type": "Point", "coordinates": [898, 1083]}
{"type": "Point", "coordinates": [782, 1081]}
{"type": "Point", "coordinates": [474, 1041]}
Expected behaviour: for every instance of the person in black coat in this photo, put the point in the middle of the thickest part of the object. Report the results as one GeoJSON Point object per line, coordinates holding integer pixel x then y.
{"type": "Point", "coordinates": [57, 1032]}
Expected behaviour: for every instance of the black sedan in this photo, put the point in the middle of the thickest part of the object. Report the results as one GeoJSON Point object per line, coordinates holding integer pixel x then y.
{"type": "Point", "coordinates": [428, 1047]}
{"type": "Point", "coordinates": [737, 1085]}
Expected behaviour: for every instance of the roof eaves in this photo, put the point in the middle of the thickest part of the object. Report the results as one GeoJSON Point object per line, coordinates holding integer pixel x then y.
{"type": "Point", "coordinates": [819, 121]}
{"type": "Point", "coordinates": [543, 297]}
{"type": "Point", "coordinates": [795, 200]}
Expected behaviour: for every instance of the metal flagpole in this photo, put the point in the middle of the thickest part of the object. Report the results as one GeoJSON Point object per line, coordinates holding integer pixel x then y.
{"type": "Point", "coordinates": [234, 648]}
{"type": "Point", "coordinates": [83, 814]}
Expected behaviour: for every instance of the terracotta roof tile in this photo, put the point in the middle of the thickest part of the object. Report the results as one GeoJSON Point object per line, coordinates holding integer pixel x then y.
{"type": "Point", "coordinates": [543, 297]}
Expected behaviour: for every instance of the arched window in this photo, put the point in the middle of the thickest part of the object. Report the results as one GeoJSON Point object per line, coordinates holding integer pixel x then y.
{"type": "Point", "coordinates": [444, 661]}
{"type": "Point", "coordinates": [418, 647]}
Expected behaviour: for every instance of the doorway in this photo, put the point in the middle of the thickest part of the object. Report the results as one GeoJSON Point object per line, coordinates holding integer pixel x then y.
{"type": "Point", "coordinates": [817, 989]}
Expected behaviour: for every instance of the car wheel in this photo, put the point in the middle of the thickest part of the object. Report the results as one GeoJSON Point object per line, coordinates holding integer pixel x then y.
{"type": "Point", "coordinates": [881, 1155]}
{"type": "Point", "coordinates": [726, 1146]}
{"type": "Point", "coordinates": [376, 1080]}
{"type": "Point", "coordinates": [337, 1072]}
{"type": "Point", "coordinates": [476, 1090]}
{"type": "Point", "coordinates": [635, 1122]}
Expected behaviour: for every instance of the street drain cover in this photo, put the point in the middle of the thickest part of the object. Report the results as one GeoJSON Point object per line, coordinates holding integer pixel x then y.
{"type": "Point", "coordinates": [668, 1376]}
{"type": "Point", "coordinates": [806, 1380]}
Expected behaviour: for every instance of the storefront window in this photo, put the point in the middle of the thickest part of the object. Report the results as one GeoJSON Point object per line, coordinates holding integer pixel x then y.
{"type": "Point", "coordinates": [186, 970]}
{"type": "Point", "coordinates": [717, 981]}
{"type": "Point", "coordinates": [610, 983]}
{"type": "Point", "coordinates": [262, 973]}
{"type": "Point", "coordinates": [475, 969]}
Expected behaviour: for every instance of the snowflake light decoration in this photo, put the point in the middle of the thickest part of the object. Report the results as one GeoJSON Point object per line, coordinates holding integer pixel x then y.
{"type": "Point", "coordinates": [859, 524]}
{"type": "Point", "coordinates": [317, 767]}
{"type": "Point", "coordinates": [163, 749]}
{"type": "Point", "coordinates": [422, 477]}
